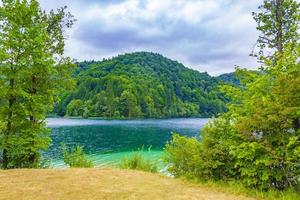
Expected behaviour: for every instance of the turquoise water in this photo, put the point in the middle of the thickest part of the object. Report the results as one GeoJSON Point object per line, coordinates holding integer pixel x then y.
{"type": "Point", "coordinates": [107, 142]}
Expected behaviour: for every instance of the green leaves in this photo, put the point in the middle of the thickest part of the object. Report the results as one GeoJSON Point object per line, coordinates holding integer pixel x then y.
{"type": "Point", "coordinates": [138, 162]}
{"type": "Point", "coordinates": [257, 140]}
{"type": "Point", "coordinates": [32, 72]}
{"type": "Point", "coordinates": [147, 84]}
{"type": "Point", "coordinates": [278, 22]}
{"type": "Point", "coordinates": [76, 157]}
{"type": "Point", "coordinates": [182, 155]}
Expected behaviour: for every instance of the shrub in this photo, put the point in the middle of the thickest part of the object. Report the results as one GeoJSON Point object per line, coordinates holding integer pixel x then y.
{"type": "Point", "coordinates": [217, 138]}
{"type": "Point", "coordinates": [76, 157]}
{"type": "Point", "coordinates": [138, 162]}
{"type": "Point", "coordinates": [182, 156]}
{"type": "Point", "coordinates": [206, 159]}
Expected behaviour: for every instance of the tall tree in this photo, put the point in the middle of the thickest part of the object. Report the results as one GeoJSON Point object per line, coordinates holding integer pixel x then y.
{"type": "Point", "coordinates": [266, 108]}
{"type": "Point", "coordinates": [129, 104]}
{"type": "Point", "coordinates": [258, 140]}
{"type": "Point", "coordinates": [278, 23]}
{"type": "Point", "coordinates": [32, 72]}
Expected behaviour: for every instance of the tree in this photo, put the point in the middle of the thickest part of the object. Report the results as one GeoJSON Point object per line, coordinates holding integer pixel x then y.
{"type": "Point", "coordinates": [110, 96]}
{"type": "Point", "coordinates": [264, 116]}
{"type": "Point", "coordinates": [278, 23]}
{"type": "Point", "coordinates": [150, 108]}
{"type": "Point", "coordinates": [265, 109]}
{"type": "Point", "coordinates": [257, 140]}
{"type": "Point", "coordinates": [129, 104]}
{"type": "Point", "coordinates": [76, 108]}
{"type": "Point", "coordinates": [159, 85]}
{"type": "Point", "coordinates": [32, 72]}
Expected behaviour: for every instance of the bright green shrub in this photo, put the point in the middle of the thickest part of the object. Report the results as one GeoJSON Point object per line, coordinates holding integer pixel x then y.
{"type": "Point", "coordinates": [208, 159]}
{"type": "Point", "coordinates": [217, 138]}
{"type": "Point", "coordinates": [76, 157]}
{"type": "Point", "coordinates": [183, 156]}
{"type": "Point", "coordinates": [253, 163]}
{"type": "Point", "coordinates": [138, 162]}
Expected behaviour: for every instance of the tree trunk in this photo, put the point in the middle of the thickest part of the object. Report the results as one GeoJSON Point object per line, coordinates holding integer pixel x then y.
{"type": "Point", "coordinates": [296, 124]}
{"type": "Point", "coordinates": [279, 32]}
{"type": "Point", "coordinates": [33, 156]}
{"type": "Point", "coordinates": [12, 100]}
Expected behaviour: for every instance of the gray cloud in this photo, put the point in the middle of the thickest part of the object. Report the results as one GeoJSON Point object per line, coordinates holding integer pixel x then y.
{"type": "Point", "coordinates": [207, 35]}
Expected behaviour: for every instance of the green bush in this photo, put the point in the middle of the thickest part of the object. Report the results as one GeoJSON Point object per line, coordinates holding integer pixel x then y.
{"type": "Point", "coordinates": [138, 162]}
{"type": "Point", "coordinates": [223, 155]}
{"type": "Point", "coordinates": [208, 159]}
{"type": "Point", "coordinates": [216, 139]}
{"type": "Point", "coordinates": [182, 156]}
{"type": "Point", "coordinates": [76, 157]}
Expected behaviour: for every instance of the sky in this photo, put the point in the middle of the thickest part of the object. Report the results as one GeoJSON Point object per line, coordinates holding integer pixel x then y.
{"type": "Point", "coordinates": [211, 36]}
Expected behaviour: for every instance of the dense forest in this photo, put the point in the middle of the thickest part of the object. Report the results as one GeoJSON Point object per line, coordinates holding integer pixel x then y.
{"type": "Point", "coordinates": [229, 78]}
{"type": "Point", "coordinates": [141, 85]}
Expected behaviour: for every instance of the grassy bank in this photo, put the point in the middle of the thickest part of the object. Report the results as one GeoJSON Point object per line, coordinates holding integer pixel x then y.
{"type": "Point", "coordinates": [104, 183]}
{"type": "Point", "coordinates": [237, 188]}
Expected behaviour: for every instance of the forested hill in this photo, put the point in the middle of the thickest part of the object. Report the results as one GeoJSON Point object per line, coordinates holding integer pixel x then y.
{"type": "Point", "coordinates": [229, 78]}
{"type": "Point", "coordinates": [141, 85]}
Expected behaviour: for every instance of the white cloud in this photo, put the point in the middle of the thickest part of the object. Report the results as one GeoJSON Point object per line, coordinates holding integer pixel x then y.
{"type": "Point", "coordinates": [208, 35]}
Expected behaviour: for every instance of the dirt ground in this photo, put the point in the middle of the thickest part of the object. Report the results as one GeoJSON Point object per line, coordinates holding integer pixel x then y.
{"type": "Point", "coordinates": [104, 183]}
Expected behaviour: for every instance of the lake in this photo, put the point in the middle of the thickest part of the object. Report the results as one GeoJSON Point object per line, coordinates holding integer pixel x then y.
{"type": "Point", "coordinates": [107, 142]}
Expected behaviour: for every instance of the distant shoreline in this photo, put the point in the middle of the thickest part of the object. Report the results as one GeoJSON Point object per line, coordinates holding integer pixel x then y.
{"type": "Point", "coordinates": [53, 122]}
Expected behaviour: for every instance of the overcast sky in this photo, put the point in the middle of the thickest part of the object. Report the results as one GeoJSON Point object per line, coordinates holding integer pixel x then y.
{"type": "Point", "coordinates": [207, 35]}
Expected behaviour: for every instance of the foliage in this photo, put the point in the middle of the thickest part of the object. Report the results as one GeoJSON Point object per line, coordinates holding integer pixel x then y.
{"type": "Point", "coordinates": [75, 108]}
{"type": "Point", "coordinates": [76, 157]}
{"type": "Point", "coordinates": [278, 23]}
{"type": "Point", "coordinates": [32, 72]}
{"type": "Point", "coordinates": [138, 162]}
{"type": "Point", "coordinates": [208, 159]}
{"type": "Point", "coordinates": [257, 141]}
{"type": "Point", "coordinates": [182, 156]}
{"type": "Point", "coordinates": [237, 188]}
{"type": "Point", "coordinates": [267, 117]}
{"type": "Point", "coordinates": [216, 161]}
{"type": "Point", "coordinates": [229, 78]}
{"type": "Point", "coordinates": [141, 85]}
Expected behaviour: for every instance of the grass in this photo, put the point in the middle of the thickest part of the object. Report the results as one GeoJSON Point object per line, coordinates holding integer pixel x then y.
{"type": "Point", "coordinates": [237, 188]}
{"type": "Point", "coordinates": [76, 157]}
{"type": "Point", "coordinates": [103, 183]}
{"type": "Point", "coordinates": [138, 162]}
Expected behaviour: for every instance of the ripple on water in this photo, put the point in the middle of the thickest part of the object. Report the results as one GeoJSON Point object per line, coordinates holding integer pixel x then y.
{"type": "Point", "coordinates": [107, 142]}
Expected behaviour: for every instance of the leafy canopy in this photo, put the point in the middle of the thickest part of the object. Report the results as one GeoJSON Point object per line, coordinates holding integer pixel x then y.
{"type": "Point", "coordinates": [257, 141]}
{"type": "Point", "coordinates": [32, 72]}
{"type": "Point", "coordinates": [141, 85]}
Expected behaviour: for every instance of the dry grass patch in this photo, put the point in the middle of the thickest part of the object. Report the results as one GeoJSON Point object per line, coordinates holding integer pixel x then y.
{"type": "Point", "coordinates": [104, 183]}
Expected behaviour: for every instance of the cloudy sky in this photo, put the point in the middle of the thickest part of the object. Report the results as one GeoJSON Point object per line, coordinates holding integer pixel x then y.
{"type": "Point", "coordinates": [207, 35]}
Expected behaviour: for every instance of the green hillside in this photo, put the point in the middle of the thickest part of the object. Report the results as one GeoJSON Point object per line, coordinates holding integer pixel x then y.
{"type": "Point", "coordinates": [141, 85]}
{"type": "Point", "coordinates": [229, 78]}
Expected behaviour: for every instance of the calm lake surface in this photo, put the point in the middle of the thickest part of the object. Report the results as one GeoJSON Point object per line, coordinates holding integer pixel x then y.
{"type": "Point", "coordinates": [107, 142]}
